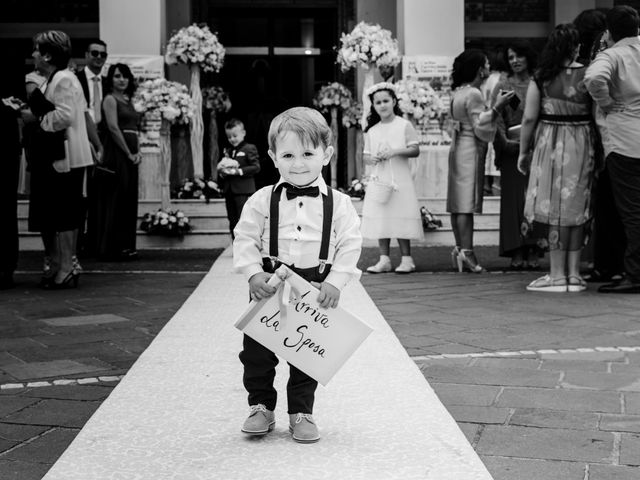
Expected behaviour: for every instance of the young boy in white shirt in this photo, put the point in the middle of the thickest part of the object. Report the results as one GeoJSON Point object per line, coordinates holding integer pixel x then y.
{"type": "Point", "coordinates": [314, 230]}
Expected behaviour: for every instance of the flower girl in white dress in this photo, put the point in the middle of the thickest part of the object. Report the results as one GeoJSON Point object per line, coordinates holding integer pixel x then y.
{"type": "Point", "coordinates": [389, 142]}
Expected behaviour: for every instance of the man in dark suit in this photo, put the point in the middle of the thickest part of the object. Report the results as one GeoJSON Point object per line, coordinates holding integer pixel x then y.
{"type": "Point", "coordinates": [94, 88]}
{"type": "Point", "coordinates": [236, 171]}
{"type": "Point", "coordinates": [91, 79]}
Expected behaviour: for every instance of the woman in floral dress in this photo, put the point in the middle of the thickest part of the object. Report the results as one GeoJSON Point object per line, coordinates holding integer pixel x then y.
{"type": "Point", "coordinates": [561, 169]}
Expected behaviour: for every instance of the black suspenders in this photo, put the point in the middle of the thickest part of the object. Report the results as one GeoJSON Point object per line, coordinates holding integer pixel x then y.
{"type": "Point", "coordinates": [327, 220]}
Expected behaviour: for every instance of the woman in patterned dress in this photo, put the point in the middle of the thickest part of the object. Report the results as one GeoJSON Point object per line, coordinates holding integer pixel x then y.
{"type": "Point", "coordinates": [560, 161]}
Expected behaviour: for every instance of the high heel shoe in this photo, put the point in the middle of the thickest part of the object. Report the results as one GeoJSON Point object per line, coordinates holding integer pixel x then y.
{"type": "Point", "coordinates": [467, 259]}
{"type": "Point", "coordinates": [71, 280]}
{"type": "Point", "coordinates": [454, 257]}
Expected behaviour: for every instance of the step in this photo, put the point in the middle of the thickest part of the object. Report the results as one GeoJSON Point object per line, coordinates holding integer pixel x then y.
{"type": "Point", "coordinates": [177, 413]}
{"type": "Point", "coordinates": [210, 225]}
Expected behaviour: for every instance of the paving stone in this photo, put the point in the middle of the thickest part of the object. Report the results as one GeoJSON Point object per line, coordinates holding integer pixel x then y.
{"type": "Point", "coordinates": [605, 381]}
{"type": "Point", "coordinates": [450, 348]}
{"type": "Point", "coordinates": [70, 392]}
{"type": "Point", "coordinates": [585, 357]}
{"type": "Point", "coordinates": [19, 433]}
{"type": "Point", "coordinates": [47, 447]}
{"type": "Point", "coordinates": [487, 376]}
{"type": "Point", "coordinates": [560, 399]}
{"type": "Point", "coordinates": [13, 470]}
{"type": "Point", "coordinates": [528, 363]}
{"type": "Point", "coordinates": [470, 431]}
{"type": "Point", "coordinates": [569, 366]}
{"type": "Point", "coordinates": [475, 414]}
{"type": "Point", "coordinates": [60, 413]}
{"type": "Point", "coordinates": [17, 343]}
{"type": "Point", "coordinates": [546, 443]}
{"type": "Point", "coordinates": [537, 417]}
{"type": "Point", "coordinates": [7, 359]}
{"type": "Point", "coordinates": [629, 448]}
{"type": "Point", "coordinates": [620, 423]}
{"type": "Point", "coordinates": [451, 394]}
{"type": "Point", "coordinates": [69, 338]}
{"type": "Point", "coordinates": [613, 472]}
{"type": "Point", "coordinates": [10, 404]}
{"type": "Point", "coordinates": [504, 468]}
{"type": "Point", "coordinates": [53, 368]}
{"type": "Point", "coordinates": [632, 403]}
{"type": "Point", "coordinates": [84, 320]}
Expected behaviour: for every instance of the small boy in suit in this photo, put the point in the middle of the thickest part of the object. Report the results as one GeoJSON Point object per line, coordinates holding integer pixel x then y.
{"type": "Point", "coordinates": [315, 231]}
{"type": "Point", "coordinates": [236, 170]}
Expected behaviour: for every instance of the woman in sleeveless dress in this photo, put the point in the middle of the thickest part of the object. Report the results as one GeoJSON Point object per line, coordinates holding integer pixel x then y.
{"type": "Point", "coordinates": [473, 126]}
{"type": "Point", "coordinates": [117, 182]}
{"type": "Point", "coordinates": [561, 166]}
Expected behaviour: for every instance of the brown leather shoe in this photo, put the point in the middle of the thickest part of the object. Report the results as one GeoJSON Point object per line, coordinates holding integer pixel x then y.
{"type": "Point", "coordinates": [303, 428]}
{"type": "Point", "coordinates": [260, 421]}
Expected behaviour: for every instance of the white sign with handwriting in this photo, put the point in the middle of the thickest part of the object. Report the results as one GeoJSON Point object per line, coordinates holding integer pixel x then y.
{"type": "Point", "coordinates": [318, 341]}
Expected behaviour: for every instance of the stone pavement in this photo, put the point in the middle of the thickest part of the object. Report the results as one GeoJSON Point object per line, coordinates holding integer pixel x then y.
{"type": "Point", "coordinates": [521, 372]}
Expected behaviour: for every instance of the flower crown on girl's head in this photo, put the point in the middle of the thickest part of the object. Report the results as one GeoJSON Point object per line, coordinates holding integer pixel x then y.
{"type": "Point", "coordinates": [381, 86]}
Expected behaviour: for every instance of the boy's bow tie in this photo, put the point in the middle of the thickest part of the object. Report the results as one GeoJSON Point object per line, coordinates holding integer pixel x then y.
{"type": "Point", "coordinates": [293, 192]}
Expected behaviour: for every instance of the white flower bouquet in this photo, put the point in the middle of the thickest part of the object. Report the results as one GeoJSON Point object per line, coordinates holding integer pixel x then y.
{"type": "Point", "coordinates": [198, 189]}
{"type": "Point", "coordinates": [165, 222]}
{"type": "Point", "coordinates": [215, 98]}
{"type": "Point", "coordinates": [368, 45]}
{"type": "Point", "coordinates": [170, 100]}
{"type": "Point", "coordinates": [419, 102]}
{"type": "Point", "coordinates": [195, 44]}
{"type": "Point", "coordinates": [333, 95]}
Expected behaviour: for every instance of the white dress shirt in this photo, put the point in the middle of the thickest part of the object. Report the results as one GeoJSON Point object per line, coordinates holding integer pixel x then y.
{"type": "Point", "coordinates": [614, 78]}
{"type": "Point", "coordinates": [299, 234]}
{"type": "Point", "coordinates": [90, 81]}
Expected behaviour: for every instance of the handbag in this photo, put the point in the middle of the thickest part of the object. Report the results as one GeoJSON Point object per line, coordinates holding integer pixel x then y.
{"type": "Point", "coordinates": [46, 147]}
{"type": "Point", "coordinates": [379, 190]}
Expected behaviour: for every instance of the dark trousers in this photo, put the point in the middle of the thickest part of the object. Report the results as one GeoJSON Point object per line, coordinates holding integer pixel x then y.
{"type": "Point", "coordinates": [624, 173]}
{"type": "Point", "coordinates": [9, 213]}
{"type": "Point", "coordinates": [609, 238]}
{"type": "Point", "coordinates": [234, 203]}
{"type": "Point", "coordinates": [260, 366]}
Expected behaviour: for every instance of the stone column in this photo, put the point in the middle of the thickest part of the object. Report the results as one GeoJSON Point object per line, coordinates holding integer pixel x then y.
{"type": "Point", "coordinates": [430, 27]}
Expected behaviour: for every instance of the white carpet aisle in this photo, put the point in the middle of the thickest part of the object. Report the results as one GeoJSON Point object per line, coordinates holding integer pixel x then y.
{"type": "Point", "coordinates": [177, 413]}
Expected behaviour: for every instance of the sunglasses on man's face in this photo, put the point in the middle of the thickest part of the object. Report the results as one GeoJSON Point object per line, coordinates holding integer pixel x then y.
{"type": "Point", "coordinates": [96, 54]}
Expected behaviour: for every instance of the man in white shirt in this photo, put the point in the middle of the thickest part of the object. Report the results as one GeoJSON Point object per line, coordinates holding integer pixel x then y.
{"type": "Point", "coordinates": [92, 80]}
{"type": "Point", "coordinates": [613, 80]}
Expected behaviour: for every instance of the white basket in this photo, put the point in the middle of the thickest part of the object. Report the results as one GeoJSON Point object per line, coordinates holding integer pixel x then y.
{"type": "Point", "coordinates": [378, 191]}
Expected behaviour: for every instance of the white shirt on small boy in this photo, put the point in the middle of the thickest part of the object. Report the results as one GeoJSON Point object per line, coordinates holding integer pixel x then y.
{"type": "Point", "coordinates": [300, 234]}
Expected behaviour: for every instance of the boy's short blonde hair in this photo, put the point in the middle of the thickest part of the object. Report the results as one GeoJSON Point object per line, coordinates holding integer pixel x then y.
{"type": "Point", "coordinates": [308, 124]}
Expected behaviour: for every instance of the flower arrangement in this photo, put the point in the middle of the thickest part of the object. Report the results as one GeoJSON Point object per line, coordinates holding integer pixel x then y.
{"type": "Point", "coordinates": [165, 222]}
{"type": "Point", "coordinates": [333, 95]}
{"type": "Point", "coordinates": [368, 45]}
{"type": "Point", "coordinates": [356, 188]}
{"type": "Point", "coordinates": [170, 100]}
{"type": "Point", "coordinates": [352, 115]}
{"type": "Point", "coordinates": [196, 44]}
{"type": "Point", "coordinates": [198, 189]}
{"type": "Point", "coordinates": [419, 102]}
{"type": "Point", "coordinates": [216, 99]}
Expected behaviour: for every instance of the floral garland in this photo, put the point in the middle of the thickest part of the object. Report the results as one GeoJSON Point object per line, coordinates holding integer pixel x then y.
{"type": "Point", "coordinates": [419, 102]}
{"type": "Point", "coordinates": [333, 95]}
{"type": "Point", "coordinates": [170, 100]}
{"type": "Point", "coordinates": [368, 45]}
{"type": "Point", "coordinates": [198, 189]}
{"type": "Point", "coordinates": [169, 223]}
{"type": "Point", "coordinates": [196, 44]}
{"type": "Point", "coordinates": [215, 98]}
{"type": "Point", "coordinates": [352, 115]}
